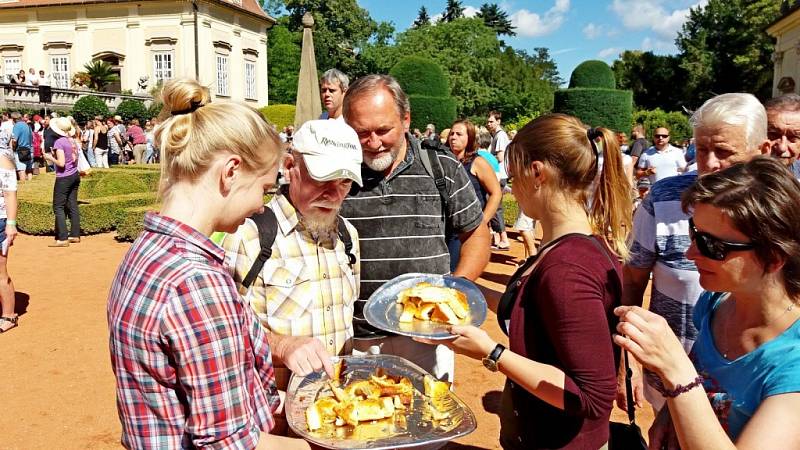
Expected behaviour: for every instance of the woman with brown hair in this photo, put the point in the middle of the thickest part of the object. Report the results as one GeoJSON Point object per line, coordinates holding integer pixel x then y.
{"type": "Point", "coordinates": [740, 388]}
{"type": "Point", "coordinates": [557, 309]}
{"type": "Point", "coordinates": [464, 145]}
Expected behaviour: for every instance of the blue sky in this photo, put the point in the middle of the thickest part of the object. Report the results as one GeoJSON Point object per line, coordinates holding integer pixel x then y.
{"type": "Point", "coordinates": [573, 30]}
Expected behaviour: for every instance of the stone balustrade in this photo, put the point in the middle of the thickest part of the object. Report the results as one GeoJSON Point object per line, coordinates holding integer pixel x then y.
{"type": "Point", "coordinates": [16, 95]}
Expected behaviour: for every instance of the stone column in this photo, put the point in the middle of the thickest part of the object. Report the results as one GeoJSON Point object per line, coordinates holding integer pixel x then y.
{"type": "Point", "coordinates": [308, 104]}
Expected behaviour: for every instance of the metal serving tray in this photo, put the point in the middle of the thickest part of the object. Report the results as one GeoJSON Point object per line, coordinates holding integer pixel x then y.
{"type": "Point", "coordinates": [382, 310]}
{"type": "Point", "coordinates": [418, 427]}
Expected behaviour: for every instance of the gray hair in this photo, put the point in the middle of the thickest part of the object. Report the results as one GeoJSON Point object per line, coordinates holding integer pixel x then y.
{"type": "Point", "coordinates": [484, 140]}
{"type": "Point", "coordinates": [784, 103]}
{"type": "Point", "coordinates": [369, 84]}
{"type": "Point", "coordinates": [335, 76]}
{"type": "Point", "coordinates": [737, 109]}
{"type": "Point", "coordinates": [431, 127]}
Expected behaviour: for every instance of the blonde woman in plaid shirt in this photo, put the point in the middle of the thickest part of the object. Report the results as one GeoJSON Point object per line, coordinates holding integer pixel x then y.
{"type": "Point", "coordinates": [305, 292]}
{"type": "Point", "coordinates": [193, 366]}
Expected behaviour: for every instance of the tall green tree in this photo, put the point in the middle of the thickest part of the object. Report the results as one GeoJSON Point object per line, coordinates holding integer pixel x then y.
{"type": "Point", "coordinates": [496, 19]}
{"type": "Point", "coordinates": [342, 28]}
{"type": "Point", "coordinates": [652, 78]}
{"type": "Point", "coordinates": [454, 10]}
{"type": "Point", "coordinates": [284, 48]}
{"type": "Point", "coordinates": [724, 48]}
{"type": "Point", "coordinates": [422, 18]}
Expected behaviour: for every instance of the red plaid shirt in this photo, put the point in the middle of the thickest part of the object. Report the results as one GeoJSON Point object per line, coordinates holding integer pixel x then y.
{"type": "Point", "coordinates": [192, 363]}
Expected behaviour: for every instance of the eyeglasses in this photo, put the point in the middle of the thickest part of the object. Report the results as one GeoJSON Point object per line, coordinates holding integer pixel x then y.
{"type": "Point", "coordinates": [714, 247]}
{"type": "Point", "coordinates": [660, 136]}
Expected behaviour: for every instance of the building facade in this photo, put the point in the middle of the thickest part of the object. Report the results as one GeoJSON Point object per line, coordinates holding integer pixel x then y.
{"type": "Point", "coordinates": [786, 58]}
{"type": "Point", "coordinates": [147, 38]}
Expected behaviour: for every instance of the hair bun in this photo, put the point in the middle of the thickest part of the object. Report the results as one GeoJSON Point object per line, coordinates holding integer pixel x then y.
{"type": "Point", "coordinates": [184, 95]}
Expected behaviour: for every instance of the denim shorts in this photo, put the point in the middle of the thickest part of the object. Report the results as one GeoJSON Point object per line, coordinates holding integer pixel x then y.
{"type": "Point", "coordinates": [26, 166]}
{"type": "Point", "coordinates": [2, 230]}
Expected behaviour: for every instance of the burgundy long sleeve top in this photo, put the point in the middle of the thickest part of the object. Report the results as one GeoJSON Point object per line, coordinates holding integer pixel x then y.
{"type": "Point", "coordinates": [562, 316]}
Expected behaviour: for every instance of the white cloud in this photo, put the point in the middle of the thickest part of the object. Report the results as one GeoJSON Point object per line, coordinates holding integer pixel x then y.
{"type": "Point", "coordinates": [592, 31]}
{"type": "Point", "coordinates": [563, 50]}
{"type": "Point", "coordinates": [609, 52]}
{"type": "Point", "coordinates": [470, 11]}
{"type": "Point", "coordinates": [652, 15]}
{"type": "Point", "coordinates": [658, 45]}
{"type": "Point", "coordinates": [530, 24]}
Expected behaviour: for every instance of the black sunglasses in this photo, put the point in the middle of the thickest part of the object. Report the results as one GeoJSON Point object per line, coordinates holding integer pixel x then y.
{"type": "Point", "coordinates": [661, 136]}
{"type": "Point", "coordinates": [714, 247]}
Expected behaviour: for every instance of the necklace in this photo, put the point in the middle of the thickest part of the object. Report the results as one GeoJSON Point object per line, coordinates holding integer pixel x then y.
{"type": "Point", "coordinates": [771, 322]}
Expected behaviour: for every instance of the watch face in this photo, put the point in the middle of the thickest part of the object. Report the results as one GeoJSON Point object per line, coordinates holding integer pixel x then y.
{"type": "Point", "coordinates": [489, 364]}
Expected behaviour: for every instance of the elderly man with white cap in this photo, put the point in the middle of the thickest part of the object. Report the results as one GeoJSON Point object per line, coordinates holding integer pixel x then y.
{"type": "Point", "coordinates": [304, 291]}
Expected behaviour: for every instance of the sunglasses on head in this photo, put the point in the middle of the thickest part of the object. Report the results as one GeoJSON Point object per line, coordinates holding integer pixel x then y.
{"type": "Point", "coordinates": [714, 247]}
{"type": "Point", "coordinates": [658, 136]}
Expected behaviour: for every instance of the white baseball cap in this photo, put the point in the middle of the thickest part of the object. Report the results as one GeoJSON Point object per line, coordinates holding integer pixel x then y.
{"type": "Point", "coordinates": [331, 150]}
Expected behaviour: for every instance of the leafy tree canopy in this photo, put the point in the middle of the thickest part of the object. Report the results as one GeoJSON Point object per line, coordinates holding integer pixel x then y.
{"type": "Point", "coordinates": [422, 18]}
{"type": "Point", "coordinates": [652, 79]}
{"type": "Point", "coordinates": [496, 19]}
{"type": "Point", "coordinates": [454, 10]}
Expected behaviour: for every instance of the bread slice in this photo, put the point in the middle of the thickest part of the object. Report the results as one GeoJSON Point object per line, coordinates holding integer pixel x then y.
{"type": "Point", "coordinates": [409, 310]}
{"type": "Point", "coordinates": [459, 305]}
{"type": "Point", "coordinates": [444, 313]}
{"type": "Point", "coordinates": [424, 311]}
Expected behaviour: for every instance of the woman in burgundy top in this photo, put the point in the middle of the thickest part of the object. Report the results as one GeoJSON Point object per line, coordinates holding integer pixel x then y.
{"type": "Point", "coordinates": [557, 310]}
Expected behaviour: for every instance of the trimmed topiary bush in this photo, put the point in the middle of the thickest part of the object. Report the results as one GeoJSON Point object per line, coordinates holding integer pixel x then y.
{"type": "Point", "coordinates": [593, 99]}
{"type": "Point", "coordinates": [87, 107]}
{"type": "Point", "coordinates": [279, 115]}
{"type": "Point", "coordinates": [592, 74]}
{"type": "Point", "coordinates": [132, 109]}
{"type": "Point", "coordinates": [428, 90]}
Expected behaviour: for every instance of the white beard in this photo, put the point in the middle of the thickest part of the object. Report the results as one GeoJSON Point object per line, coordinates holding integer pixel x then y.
{"type": "Point", "coordinates": [381, 163]}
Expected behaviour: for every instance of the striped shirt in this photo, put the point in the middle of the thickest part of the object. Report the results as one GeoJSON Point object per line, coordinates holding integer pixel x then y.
{"type": "Point", "coordinates": [306, 288]}
{"type": "Point", "coordinates": [192, 364]}
{"type": "Point", "coordinates": [400, 222]}
{"type": "Point", "coordinates": [660, 242]}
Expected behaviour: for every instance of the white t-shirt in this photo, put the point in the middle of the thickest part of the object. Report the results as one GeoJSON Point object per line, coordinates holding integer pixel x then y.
{"type": "Point", "coordinates": [8, 183]}
{"type": "Point", "coordinates": [667, 163]}
{"type": "Point", "coordinates": [499, 143]}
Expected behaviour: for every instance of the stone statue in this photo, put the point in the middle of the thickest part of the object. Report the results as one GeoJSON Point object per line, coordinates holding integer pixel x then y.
{"type": "Point", "coordinates": [143, 83]}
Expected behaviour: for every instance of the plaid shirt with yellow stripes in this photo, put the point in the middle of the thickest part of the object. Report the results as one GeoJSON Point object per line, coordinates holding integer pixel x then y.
{"type": "Point", "coordinates": [307, 287]}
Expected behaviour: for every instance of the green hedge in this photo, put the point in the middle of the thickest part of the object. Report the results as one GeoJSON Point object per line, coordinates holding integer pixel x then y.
{"type": "Point", "coordinates": [87, 107]}
{"type": "Point", "coordinates": [428, 92]}
{"type": "Point", "coordinates": [596, 107]}
{"type": "Point", "coordinates": [440, 111]}
{"type": "Point", "coordinates": [593, 74]}
{"type": "Point", "coordinates": [279, 115]}
{"type": "Point", "coordinates": [419, 75]}
{"type": "Point", "coordinates": [104, 198]}
{"type": "Point", "coordinates": [132, 109]}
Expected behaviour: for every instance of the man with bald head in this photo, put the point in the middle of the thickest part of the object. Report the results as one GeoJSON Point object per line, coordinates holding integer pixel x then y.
{"type": "Point", "coordinates": [400, 214]}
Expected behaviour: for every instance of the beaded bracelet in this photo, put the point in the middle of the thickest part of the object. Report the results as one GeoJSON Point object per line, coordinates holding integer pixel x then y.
{"type": "Point", "coordinates": [679, 389]}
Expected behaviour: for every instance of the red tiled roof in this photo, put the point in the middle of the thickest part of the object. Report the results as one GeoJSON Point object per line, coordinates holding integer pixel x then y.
{"type": "Point", "coordinates": [249, 6]}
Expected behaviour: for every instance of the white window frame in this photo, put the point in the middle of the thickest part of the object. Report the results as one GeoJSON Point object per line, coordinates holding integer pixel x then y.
{"type": "Point", "coordinates": [163, 65]}
{"type": "Point", "coordinates": [250, 91]}
{"type": "Point", "coordinates": [223, 76]}
{"type": "Point", "coordinates": [12, 66]}
{"type": "Point", "coordinates": [59, 78]}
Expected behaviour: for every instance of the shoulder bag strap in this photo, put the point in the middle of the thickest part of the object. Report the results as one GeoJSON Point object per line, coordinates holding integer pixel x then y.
{"type": "Point", "coordinates": [267, 225]}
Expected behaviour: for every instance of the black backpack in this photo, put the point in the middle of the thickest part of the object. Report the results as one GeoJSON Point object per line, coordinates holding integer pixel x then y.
{"type": "Point", "coordinates": [267, 225]}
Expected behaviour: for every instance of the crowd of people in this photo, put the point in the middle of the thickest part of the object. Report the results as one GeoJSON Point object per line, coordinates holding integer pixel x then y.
{"type": "Point", "coordinates": [204, 336]}
{"type": "Point", "coordinates": [32, 78]}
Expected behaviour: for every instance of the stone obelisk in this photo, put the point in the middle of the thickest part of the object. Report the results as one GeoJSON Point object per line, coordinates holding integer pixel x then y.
{"type": "Point", "coordinates": [308, 103]}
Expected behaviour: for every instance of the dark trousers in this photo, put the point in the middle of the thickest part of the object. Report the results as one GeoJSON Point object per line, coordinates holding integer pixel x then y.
{"type": "Point", "coordinates": [65, 201]}
{"type": "Point", "coordinates": [113, 158]}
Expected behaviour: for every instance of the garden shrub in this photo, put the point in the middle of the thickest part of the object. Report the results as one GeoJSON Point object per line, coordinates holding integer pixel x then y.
{"type": "Point", "coordinates": [87, 107]}
{"type": "Point", "coordinates": [593, 99]}
{"type": "Point", "coordinates": [132, 109]}
{"type": "Point", "coordinates": [131, 221]}
{"type": "Point", "coordinates": [593, 74]}
{"type": "Point", "coordinates": [279, 115]}
{"type": "Point", "coordinates": [428, 90]}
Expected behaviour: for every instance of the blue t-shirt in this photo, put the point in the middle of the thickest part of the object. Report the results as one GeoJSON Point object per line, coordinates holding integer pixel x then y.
{"type": "Point", "coordinates": [491, 159]}
{"type": "Point", "coordinates": [22, 134]}
{"type": "Point", "coordinates": [736, 388]}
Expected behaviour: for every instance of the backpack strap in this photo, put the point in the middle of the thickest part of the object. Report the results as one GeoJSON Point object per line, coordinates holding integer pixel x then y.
{"type": "Point", "coordinates": [345, 237]}
{"type": "Point", "coordinates": [267, 225]}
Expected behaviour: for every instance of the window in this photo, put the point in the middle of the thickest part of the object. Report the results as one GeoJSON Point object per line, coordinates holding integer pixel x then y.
{"type": "Point", "coordinates": [250, 80]}
{"type": "Point", "coordinates": [222, 75]}
{"type": "Point", "coordinates": [12, 65]}
{"type": "Point", "coordinates": [162, 66]}
{"type": "Point", "coordinates": [59, 69]}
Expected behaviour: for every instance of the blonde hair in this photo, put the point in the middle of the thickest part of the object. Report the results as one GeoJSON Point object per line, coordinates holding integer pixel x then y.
{"type": "Point", "coordinates": [192, 131]}
{"type": "Point", "coordinates": [562, 143]}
